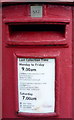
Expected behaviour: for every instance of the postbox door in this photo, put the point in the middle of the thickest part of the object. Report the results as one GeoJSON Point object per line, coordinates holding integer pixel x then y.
{"type": "Point", "coordinates": [37, 61]}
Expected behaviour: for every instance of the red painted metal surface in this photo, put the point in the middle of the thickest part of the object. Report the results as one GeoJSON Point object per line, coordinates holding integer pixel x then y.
{"type": "Point", "coordinates": [18, 43]}
{"type": "Point", "coordinates": [65, 1]}
{"type": "Point", "coordinates": [73, 61]}
{"type": "Point", "coordinates": [0, 62]}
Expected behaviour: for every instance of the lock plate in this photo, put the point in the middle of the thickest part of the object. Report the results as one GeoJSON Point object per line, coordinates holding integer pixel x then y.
{"type": "Point", "coordinates": [36, 11]}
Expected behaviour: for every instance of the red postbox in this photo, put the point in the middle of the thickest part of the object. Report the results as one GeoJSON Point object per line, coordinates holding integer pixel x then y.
{"type": "Point", "coordinates": [37, 61]}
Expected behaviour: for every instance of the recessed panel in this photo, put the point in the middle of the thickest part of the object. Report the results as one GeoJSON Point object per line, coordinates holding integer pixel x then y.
{"type": "Point", "coordinates": [36, 85]}
{"type": "Point", "coordinates": [37, 34]}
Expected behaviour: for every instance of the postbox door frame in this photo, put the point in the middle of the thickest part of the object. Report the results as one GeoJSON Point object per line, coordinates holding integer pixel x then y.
{"type": "Point", "coordinates": [57, 82]}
